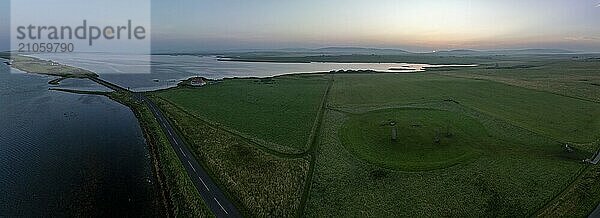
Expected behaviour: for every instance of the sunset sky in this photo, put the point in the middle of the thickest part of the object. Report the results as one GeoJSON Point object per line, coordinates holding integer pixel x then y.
{"type": "Point", "coordinates": [409, 24]}
{"type": "Point", "coordinates": [412, 25]}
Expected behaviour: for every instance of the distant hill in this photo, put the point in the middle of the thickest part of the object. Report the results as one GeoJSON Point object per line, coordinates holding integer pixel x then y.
{"type": "Point", "coordinates": [328, 51]}
{"type": "Point", "coordinates": [456, 52]}
{"type": "Point", "coordinates": [532, 51]}
{"type": "Point", "coordinates": [341, 51]}
{"type": "Point", "coordinates": [361, 51]}
{"type": "Point", "coordinates": [460, 52]}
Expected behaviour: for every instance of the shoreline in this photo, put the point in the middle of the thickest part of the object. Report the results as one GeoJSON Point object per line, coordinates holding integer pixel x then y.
{"type": "Point", "coordinates": [153, 149]}
{"type": "Point", "coordinates": [149, 142]}
{"type": "Point", "coordinates": [163, 189]}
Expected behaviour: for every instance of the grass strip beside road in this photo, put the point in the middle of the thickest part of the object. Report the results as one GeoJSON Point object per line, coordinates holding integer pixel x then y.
{"type": "Point", "coordinates": [183, 200]}
{"type": "Point", "coordinates": [262, 184]}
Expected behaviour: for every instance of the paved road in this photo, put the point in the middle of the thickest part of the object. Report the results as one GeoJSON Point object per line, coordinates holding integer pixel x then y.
{"type": "Point", "coordinates": [210, 192]}
{"type": "Point", "coordinates": [596, 213]}
{"type": "Point", "coordinates": [596, 160]}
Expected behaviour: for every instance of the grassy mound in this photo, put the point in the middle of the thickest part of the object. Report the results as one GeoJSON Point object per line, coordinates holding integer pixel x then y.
{"type": "Point", "coordinates": [426, 138]}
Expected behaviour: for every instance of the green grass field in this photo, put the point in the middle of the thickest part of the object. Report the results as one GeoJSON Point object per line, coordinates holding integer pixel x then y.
{"type": "Point", "coordinates": [562, 118]}
{"type": "Point", "coordinates": [515, 177]}
{"type": "Point", "coordinates": [278, 112]}
{"type": "Point", "coordinates": [576, 78]}
{"type": "Point", "coordinates": [426, 139]}
{"type": "Point", "coordinates": [485, 141]}
{"type": "Point", "coordinates": [261, 183]}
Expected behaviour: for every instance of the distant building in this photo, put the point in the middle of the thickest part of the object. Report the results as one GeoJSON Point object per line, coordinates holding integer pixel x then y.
{"type": "Point", "coordinates": [197, 81]}
{"type": "Point", "coordinates": [54, 63]}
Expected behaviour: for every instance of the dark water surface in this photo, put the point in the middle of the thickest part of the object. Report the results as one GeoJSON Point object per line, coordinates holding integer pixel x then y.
{"type": "Point", "coordinates": [68, 154]}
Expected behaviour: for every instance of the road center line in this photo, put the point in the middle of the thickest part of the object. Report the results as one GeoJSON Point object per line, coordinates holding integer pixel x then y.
{"type": "Point", "coordinates": [203, 183]}
{"type": "Point", "coordinates": [182, 151]}
{"type": "Point", "coordinates": [220, 205]}
{"type": "Point", "coordinates": [192, 167]}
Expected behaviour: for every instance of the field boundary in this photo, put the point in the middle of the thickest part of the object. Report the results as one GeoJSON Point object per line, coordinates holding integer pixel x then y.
{"type": "Point", "coordinates": [562, 192]}
{"type": "Point", "coordinates": [317, 121]}
{"type": "Point", "coordinates": [313, 149]}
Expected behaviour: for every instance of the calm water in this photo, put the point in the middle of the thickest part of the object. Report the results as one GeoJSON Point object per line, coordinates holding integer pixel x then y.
{"type": "Point", "coordinates": [144, 72]}
{"type": "Point", "coordinates": [64, 154]}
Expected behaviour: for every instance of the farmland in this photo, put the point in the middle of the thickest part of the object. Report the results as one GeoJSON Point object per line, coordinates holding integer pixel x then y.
{"type": "Point", "coordinates": [560, 117]}
{"type": "Point", "coordinates": [286, 106]}
{"type": "Point", "coordinates": [576, 78]}
{"type": "Point", "coordinates": [262, 183]}
{"type": "Point", "coordinates": [485, 141]}
{"type": "Point", "coordinates": [519, 154]}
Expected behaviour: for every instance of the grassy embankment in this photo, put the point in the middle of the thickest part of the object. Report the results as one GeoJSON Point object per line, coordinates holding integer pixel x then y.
{"type": "Point", "coordinates": [252, 135]}
{"type": "Point", "coordinates": [182, 198]}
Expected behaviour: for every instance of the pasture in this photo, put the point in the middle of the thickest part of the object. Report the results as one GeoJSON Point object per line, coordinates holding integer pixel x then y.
{"type": "Point", "coordinates": [470, 142]}
{"type": "Point", "coordinates": [278, 112]}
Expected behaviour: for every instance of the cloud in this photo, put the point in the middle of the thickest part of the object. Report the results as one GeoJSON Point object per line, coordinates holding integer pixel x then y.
{"type": "Point", "coordinates": [598, 5]}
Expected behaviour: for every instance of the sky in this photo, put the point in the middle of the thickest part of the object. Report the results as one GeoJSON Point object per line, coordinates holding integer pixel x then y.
{"type": "Point", "coordinates": [406, 24]}
{"type": "Point", "coordinates": [215, 25]}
